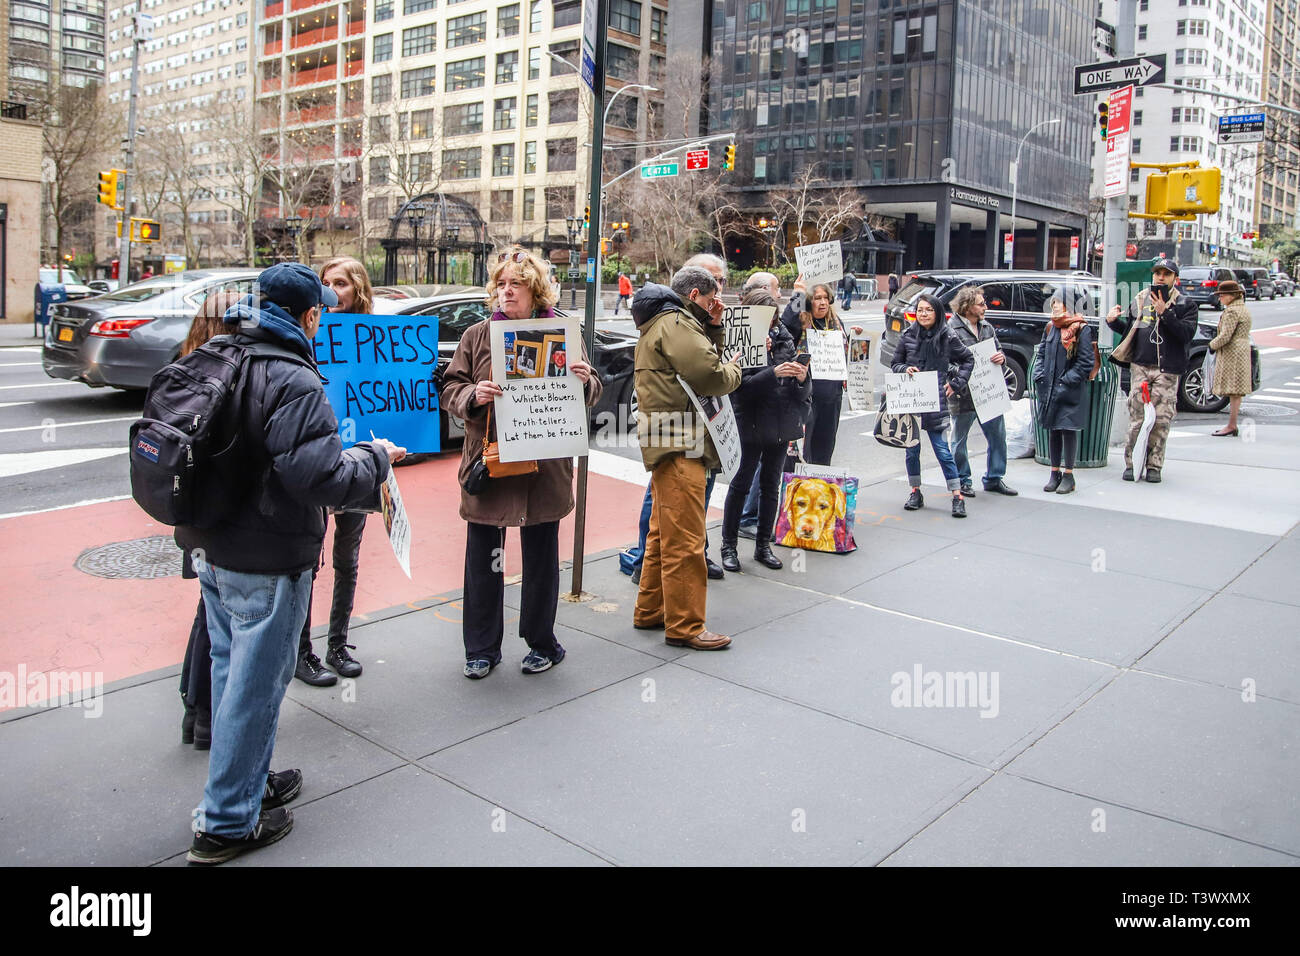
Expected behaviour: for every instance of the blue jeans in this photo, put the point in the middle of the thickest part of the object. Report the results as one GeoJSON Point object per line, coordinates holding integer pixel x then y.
{"type": "Point", "coordinates": [995, 433]}
{"type": "Point", "coordinates": [749, 515]}
{"type": "Point", "coordinates": [941, 452]}
{"type": "Point", "coordinates": [647, 503]}
{"type": "Point", "coordinates": [253, 622]}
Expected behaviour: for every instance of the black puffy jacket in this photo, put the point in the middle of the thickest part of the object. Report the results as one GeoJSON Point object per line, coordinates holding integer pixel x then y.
{"type": "Point", "coordinates": [954, 364]}
{"type": "Point", "coordinates": [292, 449]}
{"type": "Point", "coordinates": [770, 409]}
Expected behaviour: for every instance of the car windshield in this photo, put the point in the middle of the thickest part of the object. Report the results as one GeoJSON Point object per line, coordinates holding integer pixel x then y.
{"type": "Point", "coordinates": [51, 277]}
{"type": "Point", "coordinates": [148, 289]}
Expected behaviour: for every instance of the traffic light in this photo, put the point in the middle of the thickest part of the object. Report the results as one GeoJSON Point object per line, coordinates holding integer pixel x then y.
{"type": "Point", "coordinates": [1183, 192]}
{"type": "Point", "coordinates": [586, 217]}
{"type": "Point", "coordinates": [729, 157]}
{"type": "Point", "coordinates": [150, 230]}
{"type": "Point", "coordinates": [1103, 118]}
{"type": "Point", "coordinates": [108, 187]}
{"type": "Point", "coordinates": [604, 246]}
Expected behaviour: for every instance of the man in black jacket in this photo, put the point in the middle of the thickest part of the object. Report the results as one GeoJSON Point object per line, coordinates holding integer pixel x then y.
{"type": "Point", "coordinates": [255, 567]}
{"type": "Point", "coordinates": [1156, 332]}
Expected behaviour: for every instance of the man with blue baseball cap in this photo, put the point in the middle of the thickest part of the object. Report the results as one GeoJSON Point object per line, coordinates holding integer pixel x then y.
{"type": "Point", "coordinates": [255, 565]}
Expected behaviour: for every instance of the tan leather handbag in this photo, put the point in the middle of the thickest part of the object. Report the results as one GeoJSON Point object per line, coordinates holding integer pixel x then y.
{"type": "Point", "coordinates": [492, 457]}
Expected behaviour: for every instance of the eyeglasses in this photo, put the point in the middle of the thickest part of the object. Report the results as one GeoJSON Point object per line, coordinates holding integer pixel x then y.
{"type": "Point", "coordinates": [520, 256]}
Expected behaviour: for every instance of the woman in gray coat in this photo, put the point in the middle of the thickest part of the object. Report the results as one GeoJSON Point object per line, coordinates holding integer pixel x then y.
{"type": "Point", "coordinates": [1065, 360]}
{"type": "Point", "coordinates": [1231, 348]}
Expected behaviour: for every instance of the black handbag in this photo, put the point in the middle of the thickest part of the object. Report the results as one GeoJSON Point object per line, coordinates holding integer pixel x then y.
{"type": "Point", "coordinates": [476, 480]}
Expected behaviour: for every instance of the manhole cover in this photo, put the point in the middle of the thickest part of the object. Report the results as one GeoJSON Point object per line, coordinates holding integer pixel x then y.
{"type": "Point", "coordinates": [1266, 411]}
{"type": "Point", "coordinates": [142, 558]}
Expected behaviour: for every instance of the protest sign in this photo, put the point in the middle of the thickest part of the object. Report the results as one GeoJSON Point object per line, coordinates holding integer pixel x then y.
{"type": "Point", "coordinates": [395, 521]}
{"type": "Point", "coordinates": [746, 334]}
{"type": "Point", "coordinates": [827, 351]}
{"type": "Point", "coordinates": [822, 262]}
{"type": "Point", "coordinates": [379, 372]}
{"type": "Point", "coordinates": [988, 386]}
{"type": "Point", "coordinates": [906, 394]}
{"type": "Point", "coordinates": [542, 412]}
{"type": "Point", "coordinates": [863, 349]}
{"type": "Point", "coordinates": [720, 420]}
{"type": "Point", "coordinates": [805, 470]}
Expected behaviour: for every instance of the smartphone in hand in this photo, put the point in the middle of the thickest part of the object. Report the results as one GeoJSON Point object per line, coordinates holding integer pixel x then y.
{"type": "Point", "coordinates": [803, 358]}
{"type": "Point", "coordinates": [1160, 292]}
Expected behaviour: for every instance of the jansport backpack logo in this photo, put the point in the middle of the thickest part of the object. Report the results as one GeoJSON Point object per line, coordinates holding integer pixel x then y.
{"type": "Point", "coordinates": [146, 450]}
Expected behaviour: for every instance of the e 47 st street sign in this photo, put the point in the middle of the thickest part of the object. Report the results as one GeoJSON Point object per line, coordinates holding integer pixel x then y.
{"type": "Point", "coordinates": [1134, 71]}
{"type": "Point", "coordinates": [658, 170]}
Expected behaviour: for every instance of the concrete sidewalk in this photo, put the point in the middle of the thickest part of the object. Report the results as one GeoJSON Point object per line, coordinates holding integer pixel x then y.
{"type": "Point", "coordinates": [18, 335]}
{"type": "Point", "coordinates": [1135, 688]}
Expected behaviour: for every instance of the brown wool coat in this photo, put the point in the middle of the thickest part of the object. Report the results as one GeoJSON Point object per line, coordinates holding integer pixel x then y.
{"type": "Point", "coordinates": [1231, 347]}
{"type": "Point", "coordinates": [521, 499]}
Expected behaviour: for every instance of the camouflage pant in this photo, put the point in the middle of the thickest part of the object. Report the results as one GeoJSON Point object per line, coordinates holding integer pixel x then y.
{"type": "Point", "coordinates": [1164, 397]}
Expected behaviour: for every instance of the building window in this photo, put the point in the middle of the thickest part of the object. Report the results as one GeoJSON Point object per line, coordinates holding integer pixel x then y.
{"type": "Point", "coordinates": [462, 119]}
{"type": "Point", "coordinates": [508, 21]}
{"type": "Point", "coordinates": [625, 15]}
{"type": "Point", "coordinates": [462, 163]}
{"type": "Point", "coordinates": [530, 110]}
{"type": "Point", "coordinates": [415, 6]}
{"type": "Point", "coordinates": [530, 157]}
{"type": "Point", "coordinates": [535, 16]}
{"type": "Point", "coordinates": [1142, 32]}
{"type": "Point", "coordinates": [1143, 4]}
{"type": "Point", "coordinates": [1136, 146]}
{"type": "Point", "coordinates": [383, 10]}
{"type": "Point", "coordinates": [508, 67]}
{"type": "Point", "coordinates": [381, 88]}
{"type": "Point", "coordinates": [624, 113]}
{"type": "Point", "coordinates": [502, 208]}
{"type": "Point", "coordinates": [529, 212]}
{"type": "Point", "coordinates": [465, 74]}
{"type": "Point", "coordinates": [379, 170]}
{"type": "Point", "coordinates": [659, 25]}
{"type": "Point", "coordinates": [381, 130]}
{"type": "Point", "coordinates": [621, 62]}
{"type": "Point", "coordinates": [377, 207]}
{"type": "Point", "coordinates": [563, 106]}
{"type": "Point", "coordinates": [561, 156]}
{"type": "Point", "coordinates": [420, 82]}
{"type": "Point", "coordinates": [534, 62]}
{"type": "Point", "coordinates": [505, 113]}
{"type": "Point", "coordinates": [383, 49]}
{"type": "Point", "coordinates": [422, 123]}
{"type": "Point", "coordinates": [419, 40]}
{"type": "Point", "coordinates": [566, 51]}
{"type": "Point", "coordinates": [559, 201]}
{"type": "Point", "coordinates": [419, 167]}
{"type": "Point", "coordinates": [462, 31]}
{"type": "Point", "coordinates": [567, 13]}
{"type": "Point", "coordinates": [1133, 174]}
{"type": "Point", "coordinates": [1137, 117]}
{"type": "Point", "coordinates": [503, 159]}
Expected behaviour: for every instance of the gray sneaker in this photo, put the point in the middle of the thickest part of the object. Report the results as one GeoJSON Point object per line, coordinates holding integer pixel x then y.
{"type": "Point", "coordinates": [537, 662]}
{"type": "Point", "coordinates": [478, 668]}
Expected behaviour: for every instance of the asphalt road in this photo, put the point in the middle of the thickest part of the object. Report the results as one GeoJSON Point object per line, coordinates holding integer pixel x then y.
{"type": "Point", "coordinates": [65, 443]}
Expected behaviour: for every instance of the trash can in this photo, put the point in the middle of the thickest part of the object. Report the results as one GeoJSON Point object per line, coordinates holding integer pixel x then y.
{"type": "Point", "coordinates": [1094, 442]}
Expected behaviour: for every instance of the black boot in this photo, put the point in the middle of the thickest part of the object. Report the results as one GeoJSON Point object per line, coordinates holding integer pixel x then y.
{"type": "Point", "coordinates": [958, 507]}
{"type": "Point", "coordinates": [1053, 482]}
{"type": "Point", "coordinates": [914, 500]}
{"type": "Point", "coordinates": [202, 730]}
{"type": "Point", "coordinates": [764, 556]}
{"type": "Point", "coordinates": [1066, 484]}
{"type": "Point", "coordinates": [730, 561]}
{"type": "Point", "coordinates": [187, 724]}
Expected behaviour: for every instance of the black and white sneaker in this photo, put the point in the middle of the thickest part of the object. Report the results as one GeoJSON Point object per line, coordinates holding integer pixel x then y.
{"type": "Point", "coordinates": [209, 848]}
{"type": "Point", "coordinates": [281, 788]}
{"type": "Point", "coordinates": [310, 671]}
{"type": "Point", "coordinates": [536, 662]}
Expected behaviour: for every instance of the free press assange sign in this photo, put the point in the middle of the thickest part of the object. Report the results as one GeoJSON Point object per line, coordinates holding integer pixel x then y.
{"type": "Point", "coordinates": [378, 372]}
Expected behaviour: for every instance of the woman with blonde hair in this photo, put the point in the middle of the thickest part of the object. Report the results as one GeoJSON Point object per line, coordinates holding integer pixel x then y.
{"type": "Point", "coordinates": [1231, 348]}
{"type": "Point", "coordinates": [518, 288]}
{"type": "Point", "coordinates": [827, 394]}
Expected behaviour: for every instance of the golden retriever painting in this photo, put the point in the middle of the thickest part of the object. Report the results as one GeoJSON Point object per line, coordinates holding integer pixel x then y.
{"type": "Point", "coordinates": [810, 512]}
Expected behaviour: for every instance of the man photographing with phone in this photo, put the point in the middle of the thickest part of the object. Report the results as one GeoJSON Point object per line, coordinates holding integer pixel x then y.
{"type": "Point", "coordinates": [1156, 331]}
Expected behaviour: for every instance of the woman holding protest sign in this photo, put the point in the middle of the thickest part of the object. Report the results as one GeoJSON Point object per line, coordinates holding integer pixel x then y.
{"type": "Point", "coordinates": [348, 278]}
{"type": "Point", "coordinates": [929, 345]}
{"type": "Point", "coordinates": [804, 317]}
{"type": "Point", "coordinates": [532, 500]}
{"type": "Point", "coordinates": [1065, 360]}
{"type": "Point", "coordinates": [771, 406]}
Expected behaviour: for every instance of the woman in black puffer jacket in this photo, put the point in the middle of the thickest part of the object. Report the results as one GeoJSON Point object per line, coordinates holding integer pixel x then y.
{"type": "Point", "coordinates": [771, 407]}
{"type": "Point", "coordinates": [929, 345]}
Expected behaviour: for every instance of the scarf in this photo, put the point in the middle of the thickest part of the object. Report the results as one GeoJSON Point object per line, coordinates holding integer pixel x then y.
{"type": "Point", "coordinates": [1069, 328]}
{"type": "Point", "coordinates": [929, 358]}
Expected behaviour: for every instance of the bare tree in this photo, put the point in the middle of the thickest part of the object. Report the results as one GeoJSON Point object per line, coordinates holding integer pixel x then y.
{"type": "Point", "coordinates": [1280, 151]}
{"type": "Point", "coordinates": [239, 164]}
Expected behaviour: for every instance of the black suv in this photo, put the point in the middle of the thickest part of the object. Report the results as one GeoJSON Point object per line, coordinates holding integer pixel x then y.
{"type": "Point", "coordinates": [1257, 283]}
{"type": "Point", "coordinates": [1201, 283]}
{"type": "Point", "coordinates": [1018, 306]}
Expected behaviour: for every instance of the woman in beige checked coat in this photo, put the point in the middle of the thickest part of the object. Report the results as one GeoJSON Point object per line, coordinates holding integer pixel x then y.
{"type": "Point", "coordinates": [1231, 348]}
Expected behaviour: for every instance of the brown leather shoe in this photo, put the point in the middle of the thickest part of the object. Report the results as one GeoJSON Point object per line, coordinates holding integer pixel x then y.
{"type": "Point", "coordinates": [703, 641]}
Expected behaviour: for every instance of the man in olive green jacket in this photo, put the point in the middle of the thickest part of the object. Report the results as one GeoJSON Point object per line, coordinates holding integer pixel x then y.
{"type": "Point", "coordinates": [681, 334]}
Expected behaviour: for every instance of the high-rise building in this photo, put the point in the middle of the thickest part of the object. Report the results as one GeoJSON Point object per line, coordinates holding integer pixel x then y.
{"type": "Point", "coordinates": [54, 41]}
{"type": "Point", "coordinates": [1212, 46]}
{"type": "Point", "coordinates": [1278, 182]}
{"type": "Point", "coordinates": [918, 109]}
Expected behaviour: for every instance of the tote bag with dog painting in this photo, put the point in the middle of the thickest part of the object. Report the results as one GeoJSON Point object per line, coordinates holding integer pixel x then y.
{"type": "Point", "coordinates": [816, 512]}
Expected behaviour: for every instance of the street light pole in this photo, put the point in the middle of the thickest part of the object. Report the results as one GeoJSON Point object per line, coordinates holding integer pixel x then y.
{"type": "Point", "coordinates": [1015, 185]}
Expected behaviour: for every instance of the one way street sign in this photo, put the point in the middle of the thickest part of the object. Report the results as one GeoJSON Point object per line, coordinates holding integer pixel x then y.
{"type": "Point", "coordinates": [1136, 70]}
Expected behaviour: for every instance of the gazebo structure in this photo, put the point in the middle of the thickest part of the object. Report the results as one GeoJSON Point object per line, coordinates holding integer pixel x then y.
{"type": "Point", "coordinates": [439, 226]}
{"type": "Point", "coordinates": [862, 252]}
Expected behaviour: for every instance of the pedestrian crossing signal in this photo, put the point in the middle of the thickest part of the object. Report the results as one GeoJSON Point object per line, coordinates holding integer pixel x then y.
{"type": "Point", "coordinates": [150, 230]}
{"type": "Point", "coordinates": [729, 157]}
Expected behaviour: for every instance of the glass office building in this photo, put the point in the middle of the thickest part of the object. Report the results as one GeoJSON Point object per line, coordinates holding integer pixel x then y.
{"type": "Point", "coordinates": [919, 105]}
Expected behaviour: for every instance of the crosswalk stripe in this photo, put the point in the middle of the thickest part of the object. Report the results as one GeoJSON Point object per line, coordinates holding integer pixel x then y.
{"type": "Point", "coordinates": [1278, 398]}
{"type": "Point", "coordinates": [56, 425]}
{"type": "Point", "coordinates": [1275, 348]}
{"type": "Point", "coordinates": [41, 385]}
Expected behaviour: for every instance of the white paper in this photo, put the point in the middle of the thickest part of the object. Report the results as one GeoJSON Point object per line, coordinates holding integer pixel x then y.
{"type": "Point", "coordinates": [863, 350]}
{"type": "Point", "coordinates": [542, 412]}
{"type": "Point", "coordinates": [720, 420]}
{"type": "Point", "coordinates": [745, 328]}
{"type": "Point", "coordinates": [395, 521]}
{"type": "Point", "coordinates": [827, 351]}
{"type": "Point", "coordinates": [988, 386]}
{"type": "Point", "coordinates": [820, 262]}
{"type": "Point", "coordinates": [825, 472]}
{"type": "Point", "coordinates": [911, 395]}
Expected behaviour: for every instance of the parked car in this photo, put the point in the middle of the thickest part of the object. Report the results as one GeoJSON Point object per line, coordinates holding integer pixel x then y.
{"type": "Point", "coordinates": [1284, 284]}
{"type": "Point", "coordinates": [102, 286]}
{"type": "Point", "coordinates": [1201, 283]}
{"type": "Point", "coordinates": [121, 339]}
{"type": "Point", "coordinates": [1256, 282]}
{"type": "Point", "coordinates": [457, 311]}
{"type": "Point", "coordinates": [73, 287]}
{"type": "Point", "coordinates": [1018, 306]}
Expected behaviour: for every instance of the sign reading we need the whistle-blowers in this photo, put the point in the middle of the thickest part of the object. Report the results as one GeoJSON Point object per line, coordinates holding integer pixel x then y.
{"type": "Point", "coordinates": [378, 372]}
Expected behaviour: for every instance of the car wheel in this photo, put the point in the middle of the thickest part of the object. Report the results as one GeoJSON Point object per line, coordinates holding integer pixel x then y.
{"type": "Point", "coordinates": [1194, 395]}
{"type": "Point", "coordinates": [628, 402]}
{"type": "Point", "coordinates": [1014, 373]}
